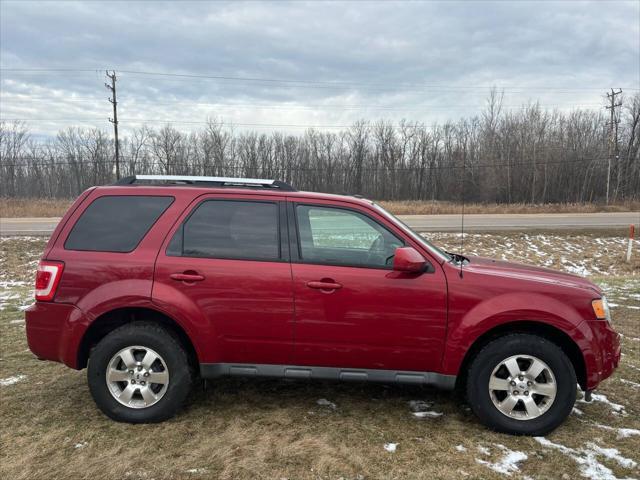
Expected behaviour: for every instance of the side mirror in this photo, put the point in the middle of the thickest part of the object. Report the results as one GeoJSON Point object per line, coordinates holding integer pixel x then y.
{"type": "Point", "coordinates": [408, 260]}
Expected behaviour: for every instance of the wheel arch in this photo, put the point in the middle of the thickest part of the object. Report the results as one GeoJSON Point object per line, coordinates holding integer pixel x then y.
{"type": "Point", "coordinates": [544, 330]}
{"type": "Point", "coordinates": [109, 321]}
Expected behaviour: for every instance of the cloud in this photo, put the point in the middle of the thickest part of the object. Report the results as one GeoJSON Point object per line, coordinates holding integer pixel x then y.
{"type": "Point", "coordinates": [425, 61]}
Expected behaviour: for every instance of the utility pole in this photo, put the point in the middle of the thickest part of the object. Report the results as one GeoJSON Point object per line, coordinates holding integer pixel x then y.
{"type": "Point", "coordinates": [613, 132]}
{"type": "Point", "coordinates": [114, 101]}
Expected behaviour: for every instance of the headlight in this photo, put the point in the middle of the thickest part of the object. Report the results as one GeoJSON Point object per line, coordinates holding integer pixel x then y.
{"type": "Point", "coordinates": [601, 309]}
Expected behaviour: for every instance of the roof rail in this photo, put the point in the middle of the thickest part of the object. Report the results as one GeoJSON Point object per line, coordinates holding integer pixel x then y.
{"type": "Point", "coordinates": [207, 181]}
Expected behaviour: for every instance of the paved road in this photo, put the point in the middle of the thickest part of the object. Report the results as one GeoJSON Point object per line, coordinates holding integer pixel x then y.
{"type": "Point", "coordinates": [27, 226]}
{"type": "Point", "coordinates": [421, 223]}
{"type": "Point", "coordinates": [497, 222]}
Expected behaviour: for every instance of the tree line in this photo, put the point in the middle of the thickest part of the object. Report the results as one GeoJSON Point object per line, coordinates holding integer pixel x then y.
{"type": "Point", "coordinates": [530, 155]}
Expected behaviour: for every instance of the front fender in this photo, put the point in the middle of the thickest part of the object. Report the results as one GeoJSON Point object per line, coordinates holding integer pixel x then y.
{"type": "Point", "coordinates": [464, 330]}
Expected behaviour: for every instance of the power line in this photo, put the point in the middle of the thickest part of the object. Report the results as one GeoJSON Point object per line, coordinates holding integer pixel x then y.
{"type": "Point", "coordinates": [196, 122]}
{"type": "Point", "coordinates": [366, 124]}
{"type": "Point", "coordinates": [303, 82]}
{"type": "Point", "coordinates": [134, 103]}
{"type": "Point", "coordinates": [55, 163]}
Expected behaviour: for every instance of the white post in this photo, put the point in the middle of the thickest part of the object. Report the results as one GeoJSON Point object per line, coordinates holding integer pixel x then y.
{"type": "Point", "coordinates": [629, 247]}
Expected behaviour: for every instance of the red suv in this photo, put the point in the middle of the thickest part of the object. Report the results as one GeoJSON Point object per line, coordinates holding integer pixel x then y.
{"type": "Point", "coordinates": [155, 279]}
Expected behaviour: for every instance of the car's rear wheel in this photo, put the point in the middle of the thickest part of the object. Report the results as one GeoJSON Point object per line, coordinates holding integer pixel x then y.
{"type": "Point", "coordinates": [139, 373]}
{"type": "Point", "coordinates": [521, 384]}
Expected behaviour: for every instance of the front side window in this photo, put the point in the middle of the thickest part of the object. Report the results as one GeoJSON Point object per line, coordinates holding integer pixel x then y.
{"type": "Point", "coordinates": [116, 223]}
{"type": "Point", "coordinates": [337, 236]}
{"type": "Point", "coordinates": [438, 252]}
{"type": "Point", "coordinates": [230, 229]}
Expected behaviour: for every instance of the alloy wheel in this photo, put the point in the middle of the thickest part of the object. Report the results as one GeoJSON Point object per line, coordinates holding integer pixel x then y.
{"type": "Point", "coordinates": [137, 377]}
{"type": "Point", "coordinates": [522, 387]}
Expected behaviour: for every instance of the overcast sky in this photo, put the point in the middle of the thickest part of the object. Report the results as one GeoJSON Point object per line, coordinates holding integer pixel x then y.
{"type": "Point", "coordinates": [322, 63]}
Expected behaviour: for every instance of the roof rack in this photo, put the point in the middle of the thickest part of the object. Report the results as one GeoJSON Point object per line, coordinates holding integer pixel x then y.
{"type": "Point", "coordinates": [207, 181]}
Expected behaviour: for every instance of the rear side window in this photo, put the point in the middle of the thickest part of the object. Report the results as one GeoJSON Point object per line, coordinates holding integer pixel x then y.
{"type": "Point", "coordinates": [116, 223]}
{"type": "Point", "coordinates": [240, 230]}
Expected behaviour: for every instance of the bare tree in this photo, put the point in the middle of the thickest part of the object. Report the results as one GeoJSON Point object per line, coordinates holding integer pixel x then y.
{"type": "Point", "coordinates": [528, 155]}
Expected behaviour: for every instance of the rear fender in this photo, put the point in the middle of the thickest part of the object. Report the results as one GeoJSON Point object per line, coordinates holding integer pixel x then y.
{"type": "Point", "coordinates": [175, 304]}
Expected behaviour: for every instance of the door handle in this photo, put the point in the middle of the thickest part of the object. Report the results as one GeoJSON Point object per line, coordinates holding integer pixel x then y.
{"type": "Point", "coordinates": [187, 277]}
{"type": "Point", "coordinates": [324, 285]}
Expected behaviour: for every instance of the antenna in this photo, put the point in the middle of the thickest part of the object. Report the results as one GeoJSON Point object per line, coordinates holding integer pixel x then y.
{"type": "Point", "coordinates": [464, 172]}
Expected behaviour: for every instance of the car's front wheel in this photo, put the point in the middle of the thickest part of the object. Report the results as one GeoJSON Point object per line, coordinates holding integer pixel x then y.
{"type": "Point", "coordinates": [139, 373]}
{"type": "Point", "coordinates": [521, 384]}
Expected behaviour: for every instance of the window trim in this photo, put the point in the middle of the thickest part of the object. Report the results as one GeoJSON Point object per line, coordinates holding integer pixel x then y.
{"type": "Point", "coordinates": [283, 254]}
{"type": "Point", "coordinates": [296, 249]}
{"type": "Point", "coordinates": [75, 223]}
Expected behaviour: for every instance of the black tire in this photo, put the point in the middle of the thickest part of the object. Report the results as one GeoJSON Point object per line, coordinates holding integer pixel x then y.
{"type": "Point", "coordinates": [163, 342]}
{"type": "Point", "coordinates": [496, 352]}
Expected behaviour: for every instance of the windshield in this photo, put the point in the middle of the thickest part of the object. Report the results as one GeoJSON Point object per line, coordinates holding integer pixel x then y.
{"type": "Point", "coordinates": [418, 238]}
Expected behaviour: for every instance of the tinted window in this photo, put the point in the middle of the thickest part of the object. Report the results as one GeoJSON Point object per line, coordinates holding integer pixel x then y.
{"type": "Point", "coordinates": [229, 229]}
{"type": "Point", "coordinates": [116, 224]}
{"type": "Point", "coordinates": [344, 237]}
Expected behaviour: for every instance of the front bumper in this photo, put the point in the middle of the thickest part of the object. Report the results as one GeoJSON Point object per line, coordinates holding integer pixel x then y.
{"type": "Point", "coordinates": [603, 355]}
{"type": "Point", "coordinates": [54, 331]}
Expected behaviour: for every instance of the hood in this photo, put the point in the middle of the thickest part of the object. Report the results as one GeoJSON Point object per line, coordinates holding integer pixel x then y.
{"type": "Point", "coordinates": [488, 266]}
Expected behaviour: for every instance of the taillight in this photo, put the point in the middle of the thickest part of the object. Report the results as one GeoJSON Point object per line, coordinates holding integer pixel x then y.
{"type": "Point", "coordinates": [47, 279]}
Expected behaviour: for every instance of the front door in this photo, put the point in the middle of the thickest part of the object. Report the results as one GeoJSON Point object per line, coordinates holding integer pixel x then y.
{"type": "Point", "coordinates": [351, 309]}
{"type": "Point", "coordinates": [227, 265]}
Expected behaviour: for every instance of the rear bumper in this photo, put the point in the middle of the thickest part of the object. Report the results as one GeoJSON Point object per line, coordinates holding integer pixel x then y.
{"type": "Point", "coordinates": [603, 355]}
{"type": "Point", "coordinates": [54, 331]}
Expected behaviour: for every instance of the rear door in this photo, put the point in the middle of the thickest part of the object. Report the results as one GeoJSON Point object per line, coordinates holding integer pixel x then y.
{"type": "Point", "coordinates": [226, 266]}
{"type": "Point", "coordinates": [352, 309]}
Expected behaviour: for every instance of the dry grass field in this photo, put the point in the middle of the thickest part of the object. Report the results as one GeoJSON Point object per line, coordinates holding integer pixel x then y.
{"type": "Point", "coordinates": [269, 429]}
{"type": "Point", "coordinates": [39, 207]}
{"type": "Point", "coordinates": [417, 207]}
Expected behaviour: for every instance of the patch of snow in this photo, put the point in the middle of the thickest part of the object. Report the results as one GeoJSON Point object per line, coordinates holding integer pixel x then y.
{"type": "Point", "coordinates": [612, 454]}
{"type": "Point", "coordinates": [323, 402]}
{"type": "Point", "coordinates": [390, 447]}
{"type": "Point", "coordinates": [80, 445]}
{"type": "Point", "coordinates": [461, 448]}
{"type": "Point", "coordinates": [587, 460]}
{"type": "Point", "coordinates": [630, 383]}
{"type": "Point", "coordinates": [197, 470]}
{"type": "Point", "coordinates": [577, 411]}
{"type": "Point", "coordinates": [622, 432]}
{"type": "Point", "coordinates": [577, 269]}
{"type": "Point", "coordinates": [419, 405]}
{"type": "Point", "coordinates": [427, 414]}
{"type": "Point", "coordinates": [537, 251]}
{"type": "Point", "coordinates": [12, 283]}
{"type": "Point", "coordinates": [627, 432]}
{"type": "Point", "coordinates": [615, 407]}
{"type": "Point", "coordinates": [6, 297]}
{"type": "Point", "coordinates": [16, 322]}
{"type": "Point", "coordinates": [633, 339]}
{"type": "Point", "coordinates": [5, 382]}
{"type": "Point", "coordinates": [483, 450]}
{"type": "Point", "coordinates": [508, 464]}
